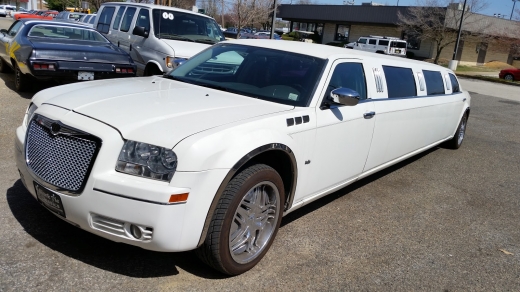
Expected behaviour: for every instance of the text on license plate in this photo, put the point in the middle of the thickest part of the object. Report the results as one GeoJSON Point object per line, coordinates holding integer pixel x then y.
{"type": "Point", "coordinates": [49, 199]}
{"type": "Point", "coordinates": [83, 75]}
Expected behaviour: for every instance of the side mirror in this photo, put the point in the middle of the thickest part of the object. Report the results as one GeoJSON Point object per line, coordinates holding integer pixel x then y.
{"type": "Point", "coordinates": [4, 31]}
{"type": "Point", "coordinates": [344, 96]}
{"type": "Point", "coordinates": [140, 31]}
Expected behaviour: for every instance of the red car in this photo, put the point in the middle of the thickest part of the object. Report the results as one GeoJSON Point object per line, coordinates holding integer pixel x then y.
{"type": "Point", "coordinates": [510, 74]}
{"type": "Point", "coordinates": [38, 15]}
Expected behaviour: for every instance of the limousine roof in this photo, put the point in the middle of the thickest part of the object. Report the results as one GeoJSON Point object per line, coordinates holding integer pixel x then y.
{"type": "Point", "coordinates": [324, 51]}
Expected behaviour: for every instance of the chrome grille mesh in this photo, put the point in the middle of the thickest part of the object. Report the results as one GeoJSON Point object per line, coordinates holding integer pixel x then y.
{"type": "Point", "coordinates": [60, 160]}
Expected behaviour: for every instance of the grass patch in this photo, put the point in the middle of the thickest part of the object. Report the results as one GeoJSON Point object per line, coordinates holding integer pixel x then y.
{"type": "Point", "coordinates": [462, 68]}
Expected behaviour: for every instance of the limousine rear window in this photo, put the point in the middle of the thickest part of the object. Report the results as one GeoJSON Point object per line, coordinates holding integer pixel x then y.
{"type": "Point", "coordinates": [434, 84]}
{"type": "Point", "coordinates": [454, 83]}
{"type": "Point", "coordinates": [400, 82]}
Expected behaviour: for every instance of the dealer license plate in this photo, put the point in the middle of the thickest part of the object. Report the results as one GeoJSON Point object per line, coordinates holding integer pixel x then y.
{"type": "Point", "coordinates": [83, 75]}
{"type": "Point", "coordinates": [49, 200]}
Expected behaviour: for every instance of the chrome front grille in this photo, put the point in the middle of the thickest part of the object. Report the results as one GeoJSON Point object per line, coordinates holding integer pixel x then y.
{"type": "Point", "coordinates": [59, 155]}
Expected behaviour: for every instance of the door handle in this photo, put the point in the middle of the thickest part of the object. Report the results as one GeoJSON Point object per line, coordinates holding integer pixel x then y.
{"type": "Point", "coordinates": [118, 43]}
{"type": "Point", "coordinates": [130, 47]}
{"type": "Point", "coordinates": [464, 99]}
{"type": "Point", "coordinates": [369, 115]}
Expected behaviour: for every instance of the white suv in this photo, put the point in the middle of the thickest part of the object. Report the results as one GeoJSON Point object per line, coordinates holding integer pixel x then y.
{"type": "Point", "coordinates": [380, 45]}
{"type": "Point", "coordinates": [6, 10]}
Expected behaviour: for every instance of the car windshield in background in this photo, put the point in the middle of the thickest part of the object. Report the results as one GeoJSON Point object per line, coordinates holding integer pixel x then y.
{"type": "Point", "coordinates": [182, 26]}
{"type": "Point", "coordinates": [63, 32]}
{"type": "Point", "coordinates": [267, 74]}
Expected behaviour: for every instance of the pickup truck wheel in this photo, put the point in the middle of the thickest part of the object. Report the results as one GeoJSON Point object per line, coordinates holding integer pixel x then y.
{"type": "Point", "coordinates": [4, 67]}
{"type": "Point", "coordinates": [21, 81]}
{"type": "Point", "coordinates": [245, 221]}
{"type": "Point", "coordinates": [456, 141]}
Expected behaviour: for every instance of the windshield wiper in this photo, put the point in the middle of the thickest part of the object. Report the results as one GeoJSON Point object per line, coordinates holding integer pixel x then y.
{"type": "Point", "coordinates": [205, 41]}
{"type": "Point", "coordinates": [175, 37]}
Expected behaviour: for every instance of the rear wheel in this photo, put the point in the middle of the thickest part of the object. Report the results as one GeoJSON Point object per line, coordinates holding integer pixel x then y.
{"type": "Point", "coordinates": [509, 77]}
{"type": "Point", "coordinates": [245, 221]}
{"type": "Point", "coordinates": [456, 141]}
{"type": "Point", "coordinates": [21, 81]}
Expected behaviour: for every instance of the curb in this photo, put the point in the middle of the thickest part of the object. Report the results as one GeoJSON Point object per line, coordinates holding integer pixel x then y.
{"type": "Point", "coordinates": [490, 79]}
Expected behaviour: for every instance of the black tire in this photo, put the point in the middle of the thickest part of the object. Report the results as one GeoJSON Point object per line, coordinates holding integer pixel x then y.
{"type": "Point", "coordinates": [237, 210]}
{"type": "Point", "coordinates": [21, 81]}
{"type": "Point", "coordinates": [458, 138]}
{"type": "Point", "coordinates": [4, 67]}
{"type": "Point", "coordinates": [509, 77]}
{"type": "Point", "coordinates": [151, 70]}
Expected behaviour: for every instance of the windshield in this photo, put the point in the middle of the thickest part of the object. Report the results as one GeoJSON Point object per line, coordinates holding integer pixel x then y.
{"type": "Point", "coordinates": [272, 75]}
{"type": "Point", "coordinates": [169, 24]}
{"type": "Point", "coordinates": [64, 32]}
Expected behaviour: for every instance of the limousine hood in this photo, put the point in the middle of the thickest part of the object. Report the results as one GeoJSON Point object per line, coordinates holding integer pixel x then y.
{"type": "Point", "coordinates": [156, 110]}
{"type": "Point", "coordinates": [185, 49]}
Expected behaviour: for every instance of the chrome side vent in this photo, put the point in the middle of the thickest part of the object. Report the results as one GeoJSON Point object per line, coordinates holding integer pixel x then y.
{"type": "Point", "coordinates": [379, 79]}
{"type": "Point", "coordinates": [420, 76]}
{"type": "Point", "coordinates": [447, 80]}
{"type": "Point", "coordinates": [122, 229]}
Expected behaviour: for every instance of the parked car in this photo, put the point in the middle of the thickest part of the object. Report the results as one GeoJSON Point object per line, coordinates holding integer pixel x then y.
{"type": "Point", "coordinates": [60, 51]}
{"type": "Point", "coordinates": [380, 44]}
{"type": "Point", "coordinates": [158, 38]}
{"type": "Point", "coordinates": [212, 155]}
{"type": "Point", "coordinates": [6, 10]}
{"type": "Point", "coordinates": [88, 20]}
{"type": "Point", "coordinates": [48, 15]}
{"type": "Point", "coordinates": [69, 16]}
{"type": "Point", "coordinates": [20, 10]}
{"type": "Point", "coordinates": [511, 74]}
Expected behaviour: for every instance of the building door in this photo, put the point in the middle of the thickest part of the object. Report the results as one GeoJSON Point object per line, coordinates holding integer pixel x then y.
{"type": "Point", "coordinates": [482, 50]}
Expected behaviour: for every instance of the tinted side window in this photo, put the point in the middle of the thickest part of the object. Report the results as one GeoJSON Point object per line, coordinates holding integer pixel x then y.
{"type": "Point", "coordinates": [434, 84]}
{"type": "Point", "coordinates": [143, 19]}
{"type": "Point", "coordinates": [104, 19]}
{"type": "Point", "coordinates": [119, 14]}
{"type": "Point", "coordinates": [362, 41]}
{"type": "Point", "coordinates": [372, 42]}
{"type": "Point", "coordinates": [400, 81]}
{"type": "Point", "coordinates": [348, 75]}
{"type": "Point", "coordinates": [127, 19]}
{"type": "Point", "coordinates": [13, 30]}
{"type": "Point", "coordinates": [454, 83]}
{"type": "Point", "coordinates": [383, 43]}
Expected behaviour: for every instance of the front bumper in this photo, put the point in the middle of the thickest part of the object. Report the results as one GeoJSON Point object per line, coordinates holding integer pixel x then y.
{"type": "Point", "coordinates": [112, 201]}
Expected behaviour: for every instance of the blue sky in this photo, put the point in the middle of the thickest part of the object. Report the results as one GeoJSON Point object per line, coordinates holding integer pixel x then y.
{"type": "Point", "coordinates": [494, 6]}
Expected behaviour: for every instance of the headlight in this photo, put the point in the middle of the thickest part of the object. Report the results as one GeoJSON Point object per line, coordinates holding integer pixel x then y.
{"type": "Point", "coordinates": [142, 159]}
{"type": "Point", "coordinates": [29, 113]}
{"type": "Point", "coordinates": [172, 62]}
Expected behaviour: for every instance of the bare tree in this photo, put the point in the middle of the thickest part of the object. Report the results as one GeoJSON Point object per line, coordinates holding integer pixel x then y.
{"type": "Point", "coordinates": [438, 20]}
{"type": "Point", "coordinates": [246, 12]}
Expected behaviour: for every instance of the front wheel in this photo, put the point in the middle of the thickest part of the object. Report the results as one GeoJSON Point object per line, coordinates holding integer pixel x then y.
{"type": "Point", "coordinates": [245, 221]}
{"type": "Point", "coordinates": [509, 77]}
{"type": "Point", "coordinates": [457, 139]}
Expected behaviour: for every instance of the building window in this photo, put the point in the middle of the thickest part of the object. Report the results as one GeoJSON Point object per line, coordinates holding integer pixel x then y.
{"type": "Point", "coordinates": [342, 32]}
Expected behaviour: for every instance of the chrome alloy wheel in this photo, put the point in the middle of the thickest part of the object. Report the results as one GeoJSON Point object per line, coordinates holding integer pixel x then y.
{"type": "Point", "coordinates": [462, 130]}
{"type": "Point", "coordinates": [254, 222]}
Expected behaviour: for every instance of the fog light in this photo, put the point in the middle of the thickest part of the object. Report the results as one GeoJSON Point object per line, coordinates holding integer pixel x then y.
{"type": "Point", "coordinates": [136, 231]}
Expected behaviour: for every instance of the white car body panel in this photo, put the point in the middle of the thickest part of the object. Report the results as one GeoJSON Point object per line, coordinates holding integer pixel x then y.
{"type": "Point", "coordinates": [212, 132]}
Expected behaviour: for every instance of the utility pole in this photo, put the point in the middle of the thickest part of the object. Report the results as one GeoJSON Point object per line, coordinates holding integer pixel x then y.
{"type": "Point", "coordinates": [513, 10]}
{"type": "Point", "coordinates": [453, 63]}
{"type": "Point", "coordinates": [273, 21]}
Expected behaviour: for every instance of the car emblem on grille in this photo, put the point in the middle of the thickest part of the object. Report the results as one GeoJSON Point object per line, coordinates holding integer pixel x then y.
{"type": "Point", "coordinates": [55, 128]}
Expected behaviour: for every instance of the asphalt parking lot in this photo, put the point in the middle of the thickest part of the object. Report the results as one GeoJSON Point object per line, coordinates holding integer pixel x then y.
{"type": "Point", "coordinates": [444, 220]}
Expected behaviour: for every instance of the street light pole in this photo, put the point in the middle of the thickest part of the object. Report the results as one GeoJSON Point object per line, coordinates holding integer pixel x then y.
{"type": "Point", "coordinates": [513, 10]}
{"type": "Point", "coordinates": [453, 63]}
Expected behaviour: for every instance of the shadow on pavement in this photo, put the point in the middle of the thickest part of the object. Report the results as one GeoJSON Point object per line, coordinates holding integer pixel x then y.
{"type": "Point", "coordinates": [37, 85]}
{"type": "Point", "coordinates": [96, 251]}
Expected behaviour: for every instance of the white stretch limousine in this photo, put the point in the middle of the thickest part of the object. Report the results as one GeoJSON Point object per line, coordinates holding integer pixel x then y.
{"type": "Point", "coordinates": [212, 155]}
